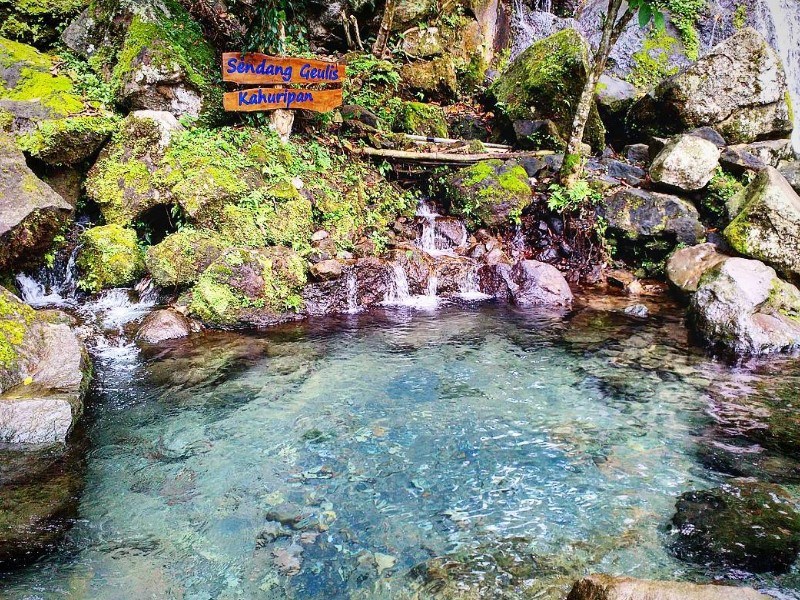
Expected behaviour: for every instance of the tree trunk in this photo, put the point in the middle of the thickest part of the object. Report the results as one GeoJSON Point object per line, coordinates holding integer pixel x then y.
{"type": "Point", "coordinates": [612, 29]}
{"type": "Point", "coordinates": [382, 39]}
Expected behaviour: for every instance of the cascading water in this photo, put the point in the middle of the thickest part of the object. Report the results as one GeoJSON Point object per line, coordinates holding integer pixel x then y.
{"type": "Point", "coordinates": [51, 286]}
{"type": "Point", "coordinates": [779, 21]}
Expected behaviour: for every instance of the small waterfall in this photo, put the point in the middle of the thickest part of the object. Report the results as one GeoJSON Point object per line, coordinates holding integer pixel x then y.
{"type": "Point", "coordinates": [435, 239]}
{"type": "Point", "coordinates": [779, 21]}
{"type": "Point", "coordinates": [428, 214]}
{"type": "Point", "coordinates": [352, 292]}
{"type": "Point", "coordinates": [469, 287]}
{"type": "Point", "coordinates": [51, 286]}
{"type": "Point", "coordinates": [397, 292]}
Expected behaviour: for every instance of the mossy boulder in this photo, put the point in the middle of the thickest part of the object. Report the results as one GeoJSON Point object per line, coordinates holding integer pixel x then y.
{"type": "Point", "coordinates": [109, 257]}
{"type": "Point", "coordinates": [743, 306]}
{"type": "Point", "coordinates": [277, 215]}
{"type": "Point", "coordinates": [37, 21]}
{"type": "Point", "coordinates": [418, 118]}
{"type": "Point", "coordinates": [741, 525]}
{"type": "Point", "coordinates": [739, 88]}
{"type": "Point", "coordinates": [181, 257]}
{"type": "Point", "coordinates": [31, 213]}
{"type": "Point", "coordinates": [44, 373]}
{"type": "Point", "coordinates": [434, 79]}
{"type": "Point", "coordinates": [491, 193]}
{"type": "Point", "coordinates": [32, 88]}
{"type": "Point", "coordinates": [545, 82]}
{"type": "Point", "coordinates": [249, 287]}
{"type": "Point", "coordinates": [69, 141]}
{"type": "Point", "coordinates": [767, 226]}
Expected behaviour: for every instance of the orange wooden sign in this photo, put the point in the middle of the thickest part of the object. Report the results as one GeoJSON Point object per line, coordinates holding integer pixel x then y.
{"type": "Point", "coordinates": [287, 98]}
{"type": "Point", "coordinates": [263, 69]}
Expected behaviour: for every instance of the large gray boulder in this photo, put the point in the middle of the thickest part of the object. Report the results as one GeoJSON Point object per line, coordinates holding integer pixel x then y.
{"type": "Point", "coordinates": [686, 162]}
{"type": "Point", "coordinates": [44, 371]}
{"type": "Point", "coordinates": [767, 226]}
{"type": "Point", "coordinates": [539, 284]}
{"type": "Point", "coordinates": [634, 214]}
{"type": "Point", "coordinates": [687, 266]}
{"type": "Point", "coordinates": [162, 325]}
{"type": "Point", "coordinates": [31, 213]}
{"type": "Point", "coordinates": [743, 306]}
{"type": "Point", "coordinates": [606, 587]}
{"type": "Point", "coordinates": [739, 88]}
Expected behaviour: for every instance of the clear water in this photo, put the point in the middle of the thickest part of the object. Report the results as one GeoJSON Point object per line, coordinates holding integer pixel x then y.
{"type": "Point", "coordinates": [470, 452]}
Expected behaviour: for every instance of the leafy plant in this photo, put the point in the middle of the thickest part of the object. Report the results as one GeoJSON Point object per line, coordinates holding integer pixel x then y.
{"type": "Point", "coordinates": [567, 199]}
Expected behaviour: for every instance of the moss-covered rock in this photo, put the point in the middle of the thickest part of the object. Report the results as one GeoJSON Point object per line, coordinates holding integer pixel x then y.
{"type": "Point", "coordinates": [68, 142]}
{"type": "Point", "coordinates": [32, 88]}
{"type": "Point", "coordinates": [435, 79]}
{"type": "Point", "coordinates": [181, 257]}
{"type": "Point", "coordinates": [15, 319]}
{"type": "Point", "coordinates": [419, 118]}
{"type": "Point", "coordinates": [31, 213]}
{"type": "Point", "coordinates": [248, 287]}
{"type": "Point", "coordinates": [546, 81]}
{"type": "Point", "coordinates": [491, 193]}
{"type": "Point", "coordinates": [109, 257]}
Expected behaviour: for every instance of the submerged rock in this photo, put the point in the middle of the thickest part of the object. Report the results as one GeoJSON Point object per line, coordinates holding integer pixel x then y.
{"type": "Point", "coordinates": [687, 266]}
{"type": "Point", "coordinates": [767, 226]}
{"type": "Point", "coordinates": [162, 325]}
{"type": "Point", "coordinates": [31, 213]}
{"type": "Point", "coordinates": [741, 525]}
{"type": "Point", "coordinates": [490, 193]}
{"type": "Point", "coordinates": [742, 305]}
{"type": "Point", "coordinates": [739, 88]}
{"type": "Point", "coordinates": [44, 372]}
{"type": "Point", "coordinates": [687, 162]}
{"type": "Point", "coordinates": [606, 587]}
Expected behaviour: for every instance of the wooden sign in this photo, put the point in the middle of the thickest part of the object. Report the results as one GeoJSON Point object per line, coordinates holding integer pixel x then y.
{"type": "Point", "coordinates": [286, 98]}
{"type": "Point", "coordinates": [263, 69]}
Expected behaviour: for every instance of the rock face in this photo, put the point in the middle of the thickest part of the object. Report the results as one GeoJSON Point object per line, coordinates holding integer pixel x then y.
{"type": "Point", "coordinates": [635, 214]}
{"type": "Point", "coordinates": [686, 266]}
{"type": "Point", "coordinates": [687, 162]}
{"type": "Point", "coordinates": [743, 305]}
{"type": "Point", "coordinates": [606, 587]}
{"type": "Point", "coordinates": [742, 525]}
{"type": "Point", "coordinates": [490, 193]}
{"type": "Point", "coordinates": [739, 88]}
{"type": "Point", "coordinates": [162, 325]}
{"type": "Point", "coordinates": [30, 211]}
{"type": "Point", "coordinates": [768, 224]}
{"type": "Point", "coordinates": [43, 374]}
{"type": "Point", "coordinates": [545, 83]}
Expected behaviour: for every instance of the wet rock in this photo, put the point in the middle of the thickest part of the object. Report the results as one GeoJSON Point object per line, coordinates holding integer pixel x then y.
{"type": "Point", "coordinates": [539, 284]}
{"type": "Point", "coordinates": [606, 587]}
{"type": "Point", "coordinates": [637, 153]}
{"type": "Point", "coordinates": [739, 88]}
{"type": "Point", "coordinates": [687, 265]}
{"type": "Point", "coordinates": [742, 305]}
{"type": "Point", "coordinates": [452, 274]}
{"type": "Point", "coordinates": [490, 192]}
{"type": "Point", "coordinates": [181, 257]}
{"type": "Point", "coordinates": [687, 162]}
{"type": "Point", "coordinates": [638, 214]}
{"type": "Point", "coordinates": [639, 311]}
{"type": "Point", "coordinates": [31, 213]}
{"type": "Point", "coordinates": [162, 325]}
{"type": "Point", "coordinates": [767, 226]}
{"type": "Point", "coordinates": [496, 280]}
{"type": "Point", "coordinates": [545, 81]}
{"type": "Point", "coordinates": [44, 372]}
{"type": "Point", "coordinates": [450, 233]}
{"type": "Point", "coordinates": [326, 270]}
{"type": "Point", "coordinates": [741, 525]}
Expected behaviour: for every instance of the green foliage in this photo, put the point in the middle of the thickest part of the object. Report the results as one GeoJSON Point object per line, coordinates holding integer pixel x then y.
{"type": "Point", "coordinates": [740, 16]}
{"type": "Point", "coordinates": [721, 189]}
{"type": "Point", "coordinates": [684, 16]}
{"type": "Point", "coordinates": [373, 84]}
{"type": "Point", "coordinates": [275, 26]}
{"type": "Point", "coordinates": [569, 199]}
{"type": "Point", "coordinates": [86, 80]}
{"type": "Point", "coordinates": [15, 316]}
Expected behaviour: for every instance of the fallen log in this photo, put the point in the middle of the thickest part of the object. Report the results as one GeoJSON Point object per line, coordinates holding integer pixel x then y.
{"type": "Point", "coordinates": [446, 158]}
{"type": "Point", "coordinates": [437, 140]}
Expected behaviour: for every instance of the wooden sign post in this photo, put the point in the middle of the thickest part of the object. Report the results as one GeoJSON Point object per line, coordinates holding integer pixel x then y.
{"type": "Point", "coordinates": [261, 69]}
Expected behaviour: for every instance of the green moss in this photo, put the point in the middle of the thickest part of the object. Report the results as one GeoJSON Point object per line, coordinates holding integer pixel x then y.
{"type": "Point", "coordinates": [717, 196]}
{"type": "Point", "coordinates": [789, 106]}
{"type": "Point", "coordinates": [15, 317]}
{"type": "Point", "coordinates": [651, 64]}
{"type": "Point", "coordinates": [490, 193]}
{"type": "Point", "coordinates": [684, 16]}
{"type": "Point", "coordinates": [181, 257]}
{"type": "Point", "coordinates": [109, 257]}
{"type": "Point", "coordinates": [419, 118]}
{"type": "Point", "coordinates": [58, 141]}
{"type": "Point", "coordinates": [740, 16]}
{"type": "Point", "coordinates": [42, 7]}
{"type": "Point", "coordinates": [6, 120]}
